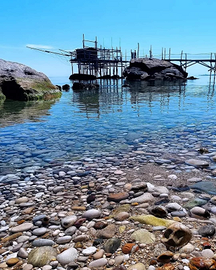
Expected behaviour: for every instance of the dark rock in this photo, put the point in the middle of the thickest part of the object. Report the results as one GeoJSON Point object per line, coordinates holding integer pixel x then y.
{"type": "Point", "coordinates": [66, 87]}
{"type": "Point", "coordinates": [77, 76]}
{"type": "Point", "coordinates": [146, 68]}
{"type": "Point", "coordinates": [98, 241]}
{"type": "Point", "coordinates": [59, 87]}
{"type": "Point", "coordinates": [207, 230]}
{"type": "Point", "coordinates": [20, 82]}
{"type": "Point", "coordinates": [159, 211]}
{"type": "Point", "coordinates": [112, 245]}
{"type": "Point", "coordinates": [90, 198]}
{"type": "Point", "coordinates": [192, 78]}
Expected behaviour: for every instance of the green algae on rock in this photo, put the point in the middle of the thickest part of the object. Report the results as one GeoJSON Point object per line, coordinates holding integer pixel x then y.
{"type": "Point", "coordinates": [20, 82]}
{"type": "Point", "coordinates": [152, 220]}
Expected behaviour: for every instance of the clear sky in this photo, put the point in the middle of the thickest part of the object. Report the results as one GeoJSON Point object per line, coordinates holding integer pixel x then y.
{"type": "Point", "coordinates": [187, 25]}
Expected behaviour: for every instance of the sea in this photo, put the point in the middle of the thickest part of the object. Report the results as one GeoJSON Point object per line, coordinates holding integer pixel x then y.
{"type": "Point", "coordinates": [108, 122]}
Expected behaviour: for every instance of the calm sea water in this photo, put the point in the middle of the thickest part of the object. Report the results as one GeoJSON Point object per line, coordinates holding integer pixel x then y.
{"type": "Point", "coordinates": [106, 122]}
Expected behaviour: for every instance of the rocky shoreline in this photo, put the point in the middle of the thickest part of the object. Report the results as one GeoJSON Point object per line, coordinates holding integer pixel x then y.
{"type": "Point", "coordinates": [111, 214]}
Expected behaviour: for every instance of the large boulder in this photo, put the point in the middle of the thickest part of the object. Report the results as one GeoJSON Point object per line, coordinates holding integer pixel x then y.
{"type": "Point", "coordinates": [20, 82]}
{"type": "Point", "coordinates": [146, 68]}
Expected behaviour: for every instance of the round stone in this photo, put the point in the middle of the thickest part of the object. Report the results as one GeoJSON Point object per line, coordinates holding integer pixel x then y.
{"type": "Point", "coordinates": [67, 256]}
{"type": "Point", "coordinates": [68, 221]}
{"type": "Point", "coordinates": [89, 251]}
{"type": "Point", "coordinates": [98, 263]}
{"type": "Point", "coordinates": [92, 213]}
{"type": "Point", "coordinates": [21, 228]}
{"type": "Point", "coordinates": [41, 256]}
{"type": "Point", "coordinates": [207, 253]}
{"type": "Point", "coordinates": [39, 231]}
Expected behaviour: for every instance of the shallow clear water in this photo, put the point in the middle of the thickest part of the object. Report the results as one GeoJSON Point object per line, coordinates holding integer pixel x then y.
{"type": "Point", "coordinates": [109, 121]}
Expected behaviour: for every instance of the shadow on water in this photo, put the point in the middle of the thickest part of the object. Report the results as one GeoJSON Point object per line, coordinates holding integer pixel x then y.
{"type": "Point", "coordinates": [14, 112]}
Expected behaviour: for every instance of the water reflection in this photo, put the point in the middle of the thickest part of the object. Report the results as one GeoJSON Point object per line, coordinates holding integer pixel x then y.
{"type": "Point", "coordinates": [112, 97]}
{"type": "Point", "coordinates": [13, 112]}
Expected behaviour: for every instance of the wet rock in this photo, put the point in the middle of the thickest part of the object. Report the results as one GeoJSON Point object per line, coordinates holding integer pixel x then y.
{"type": "Point", "coordinates": [112, 245]}
{"type": "Point", "coordinates": [67, 256]}
{"type": "Point", "coordinates": [176, 235]}
{"type": "Point", "coordinates": [41, 256]}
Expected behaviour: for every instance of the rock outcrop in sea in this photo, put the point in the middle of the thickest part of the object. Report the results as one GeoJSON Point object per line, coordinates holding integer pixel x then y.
{"type": "Point", "coordinates": [20, 82]}
{"type": "Point", "coordinates": [146, 68]}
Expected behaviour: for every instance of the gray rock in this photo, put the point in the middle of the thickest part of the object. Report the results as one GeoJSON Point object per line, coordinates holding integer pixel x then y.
{"type": "Point", "coordinates": [71, 230]}
{"type": "Point", "coordinates": [143, 68]}
{"type": "Point", "coordinates": [20, 82]}
{"type": "Point", "coordinates": [197, 163]}
{"type": "Point", "coordinates": [91, 214]}
{"type": "Point", "coordinates": [43, 242]}
{"type": "Point", "coordinates": [22, 253]}
{"type": "Point", "coordinates": [89, 251]}
{"type": "Point", "coordinates": [67, 256]}
{"type": "Point", "coordinates": [39, 231]}
{"type": "Point", "coordinates": [64, 239]}
{"type": "Point", "coordinates": [207, 230]}
{"type": "Point", "coordinates": [68, 221]}
{"type": "Point", "coordinates": [146, 197]}
{"type": "Point", "coordinates": [21, 228]}
{"type": "Point", "coordinates": [112, 245]}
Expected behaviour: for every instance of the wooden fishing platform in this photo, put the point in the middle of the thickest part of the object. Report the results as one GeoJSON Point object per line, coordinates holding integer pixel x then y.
{"type": "Point", "coordinates": [93, 61]}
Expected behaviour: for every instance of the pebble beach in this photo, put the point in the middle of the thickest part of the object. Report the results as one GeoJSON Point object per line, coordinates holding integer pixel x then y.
{"type": "Point", "coordinates": [139, 210]}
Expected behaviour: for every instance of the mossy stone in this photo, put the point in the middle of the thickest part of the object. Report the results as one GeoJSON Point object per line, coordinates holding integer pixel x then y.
{"type": "Point", "coordinates": [41, 256]}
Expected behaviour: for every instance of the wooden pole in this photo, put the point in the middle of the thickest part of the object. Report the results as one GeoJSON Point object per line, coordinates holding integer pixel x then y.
{"type": "Point", "coordinates": [83, 41]}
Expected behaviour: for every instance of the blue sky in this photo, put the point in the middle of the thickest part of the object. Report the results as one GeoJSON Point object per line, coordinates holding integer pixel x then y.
{"type": "Point", "coordinates": [187, 25]}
